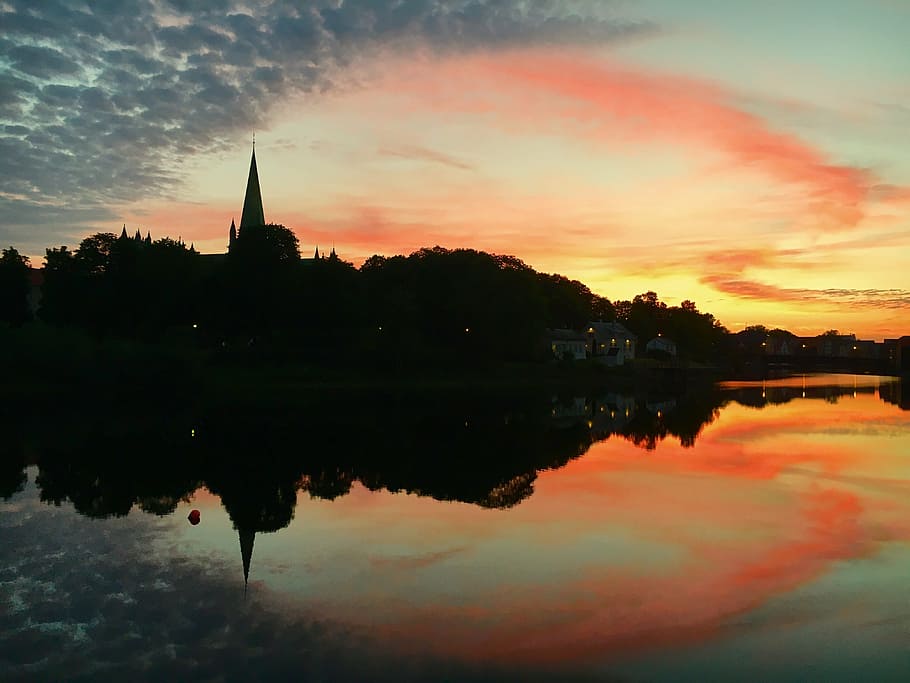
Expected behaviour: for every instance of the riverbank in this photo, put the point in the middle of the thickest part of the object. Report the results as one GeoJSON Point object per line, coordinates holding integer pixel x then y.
{"type": "Point", "coordinates": [49, 366]}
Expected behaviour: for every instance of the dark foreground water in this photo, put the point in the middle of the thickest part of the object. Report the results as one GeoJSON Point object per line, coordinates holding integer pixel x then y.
{"type": "Point", "coordinates": [748, 532]}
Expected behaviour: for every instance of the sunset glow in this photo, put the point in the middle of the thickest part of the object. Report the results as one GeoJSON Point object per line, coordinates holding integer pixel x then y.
{"type": "Point", "coordinates": [750, 157]}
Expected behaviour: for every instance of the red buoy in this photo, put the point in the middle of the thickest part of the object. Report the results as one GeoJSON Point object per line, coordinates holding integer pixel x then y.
{"type": "Point", "coordinates": [193, 517]}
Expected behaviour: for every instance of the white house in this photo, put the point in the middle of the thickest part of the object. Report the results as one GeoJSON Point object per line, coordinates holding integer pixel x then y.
{"type": "Point", "coordinates": [661, 345]}
{"type": "Point", "coordinates": [568, 344]}
{"type": "Point", "coordinates": [604, 337]}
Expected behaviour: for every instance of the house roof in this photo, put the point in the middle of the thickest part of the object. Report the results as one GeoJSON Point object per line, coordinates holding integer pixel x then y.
{"type": "Point", "coordinates": [612, 330]}
{"type": "Point", "coordinates": [658, 341]}
{"type": "Point", "coordinates": [566, 335]}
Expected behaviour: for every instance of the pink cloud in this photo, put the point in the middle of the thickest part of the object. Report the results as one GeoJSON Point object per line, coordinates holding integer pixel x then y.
{"type": "Point", "coordinates": [595, 100]}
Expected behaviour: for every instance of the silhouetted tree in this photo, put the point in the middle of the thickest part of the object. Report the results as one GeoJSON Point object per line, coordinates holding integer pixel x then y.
{"type": "Point", "coordinates": [14, 287]}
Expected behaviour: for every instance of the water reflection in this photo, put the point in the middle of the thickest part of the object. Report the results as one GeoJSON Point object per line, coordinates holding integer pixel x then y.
{"type": "Point", "coordinates": [487, 453]}
{"type": "Point", "coordinates": [747, 492]}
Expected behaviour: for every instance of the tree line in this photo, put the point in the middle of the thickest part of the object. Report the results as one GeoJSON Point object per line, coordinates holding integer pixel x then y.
{"type": "Point", "coordinates": [434, 305]}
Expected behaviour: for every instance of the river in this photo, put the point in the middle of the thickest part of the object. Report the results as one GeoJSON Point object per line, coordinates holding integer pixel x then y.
{"type": "Point", "coordinates": [753, 531]}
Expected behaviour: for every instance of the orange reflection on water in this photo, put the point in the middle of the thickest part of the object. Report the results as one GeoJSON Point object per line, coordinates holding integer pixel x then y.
{"type": "Point", "coordinates": [626, 549]}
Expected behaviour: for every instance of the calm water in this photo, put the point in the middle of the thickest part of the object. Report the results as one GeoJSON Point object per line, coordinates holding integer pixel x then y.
{"type": "Point", "coordinates": [754, 531]}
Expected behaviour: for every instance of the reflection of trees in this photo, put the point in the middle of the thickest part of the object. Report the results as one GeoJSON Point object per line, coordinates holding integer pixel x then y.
{"type": "Point", "coordinates": [12, 475]}
{"type": "Point", "coordinates": [104, 475]}
{"type": "Point", "coordinates": [258, 457]}
{"type": "Point", "coordinates": [761, 396]}
{"type": "Point", "coordinates": [256, 460]}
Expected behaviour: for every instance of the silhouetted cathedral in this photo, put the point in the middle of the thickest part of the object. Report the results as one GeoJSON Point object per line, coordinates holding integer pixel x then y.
{"type": "Point", "coordinates": [252, 214]}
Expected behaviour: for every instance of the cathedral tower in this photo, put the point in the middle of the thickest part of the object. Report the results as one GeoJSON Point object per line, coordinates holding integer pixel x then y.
{"type": "Point", "coordinates": [252, 200]}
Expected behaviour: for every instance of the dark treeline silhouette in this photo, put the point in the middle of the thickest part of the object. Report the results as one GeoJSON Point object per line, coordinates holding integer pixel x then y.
{"type": "Point", "coordinates": [14, 287]}
{"type": "Point", "coordinates": [434, 306]}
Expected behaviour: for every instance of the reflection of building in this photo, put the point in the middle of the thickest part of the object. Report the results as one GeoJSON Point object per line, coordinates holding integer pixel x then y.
{"type": "Point", "coordinates": [611, 413]}
{"type": "Point", "coordinates": [661, 408]}
{"type": "Point", "coordinates": [896, 393]}
{"type": "Point", "coordinates": [247, 537]}
{"type": "Point", "coordinates": [604, 415]}
{"type": "Point", "coordinates": [573, 408]}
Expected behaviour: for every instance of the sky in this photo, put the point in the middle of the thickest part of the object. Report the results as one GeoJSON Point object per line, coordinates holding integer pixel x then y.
{"type": "Point", "coordinates": [751, 157]}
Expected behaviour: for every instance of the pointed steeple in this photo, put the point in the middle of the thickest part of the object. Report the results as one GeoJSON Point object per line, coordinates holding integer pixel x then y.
{"type": "Point", "coordinates": [316, 255]}
{"type": "Point", "coordinates": [252, 201]}
{"type": "Point", "coordinates": [138, 235]}
{"type": "Point", "coordinates": [232, 235]}
{"type": "Point", "coordinates": [247, 536]}
{"type": "Point", "coordinates": [148, 237]}
{"type": "Point", "coordinates": [123, 234]}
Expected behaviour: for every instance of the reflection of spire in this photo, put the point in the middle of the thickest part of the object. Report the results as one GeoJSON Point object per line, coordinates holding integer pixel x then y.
{"type": "Point", "coordinates": [252, 201]}
{"type": "Point", "coordinates": [247, 536]}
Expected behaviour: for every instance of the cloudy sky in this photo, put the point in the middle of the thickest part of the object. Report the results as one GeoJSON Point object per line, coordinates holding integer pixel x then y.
{"type": "Point", "coordinates": [750, 156]}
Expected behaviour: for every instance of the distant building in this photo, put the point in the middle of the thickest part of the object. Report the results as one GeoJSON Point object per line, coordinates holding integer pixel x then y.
{"type": "Point", "coordinates": [253, 215]}
{"type": "Point", "coordinates": [35, 283]}
{"type": "Point", "coordinates": [897, 353]}
{"type": "Point", "coordinates": [602, 337]}
{"type": "Point", "coordinates": [568, 344]}
{"type": "Point", "coordinates": [661, 345]}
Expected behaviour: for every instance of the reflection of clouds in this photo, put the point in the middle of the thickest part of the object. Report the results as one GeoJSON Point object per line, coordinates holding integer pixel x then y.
{"type": "Point", "coordinates": [738, 527]}
{"type": "Point", "coordinates": [88, 602]}
{"type": "Point", "coordinates": [410, 562]}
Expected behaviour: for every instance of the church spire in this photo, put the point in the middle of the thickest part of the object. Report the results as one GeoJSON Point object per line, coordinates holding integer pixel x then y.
{"type": "Point", "coordinates": [252, 201]}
